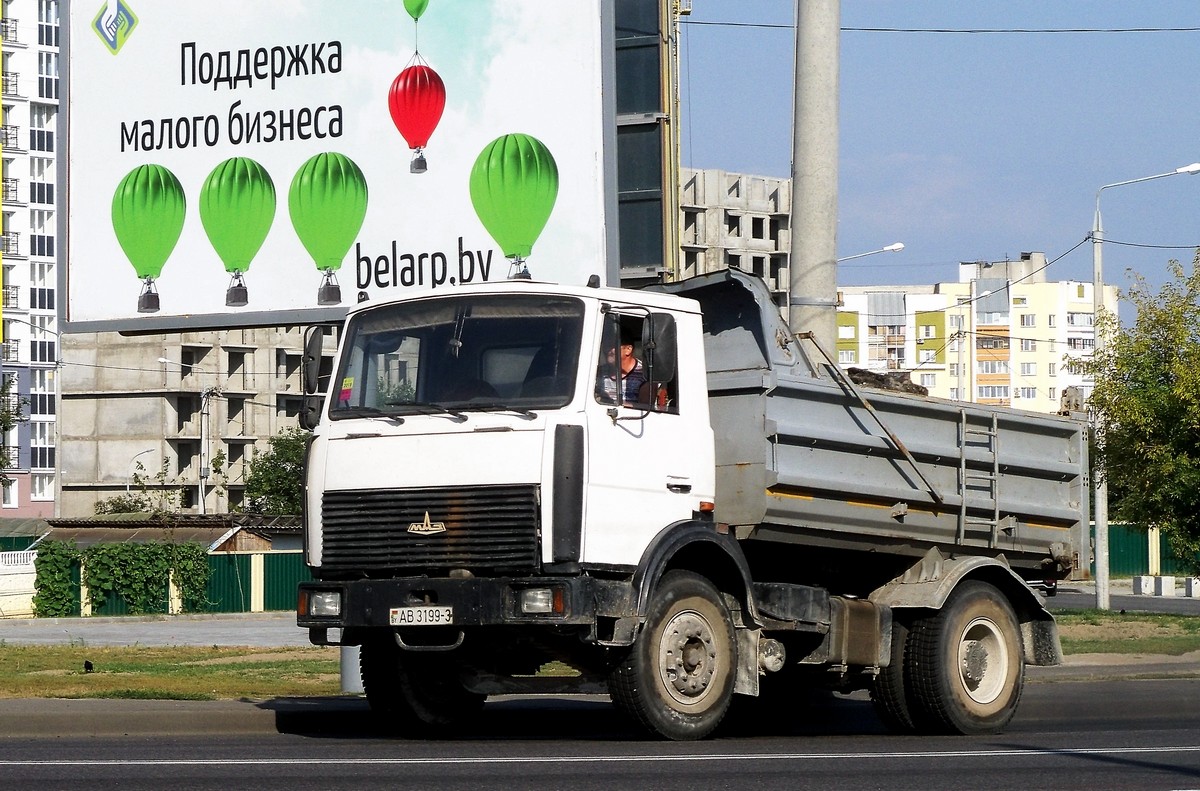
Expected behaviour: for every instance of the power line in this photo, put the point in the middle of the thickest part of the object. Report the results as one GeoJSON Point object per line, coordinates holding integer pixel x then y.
{"type": "Point", "coordinates": [950, 30]}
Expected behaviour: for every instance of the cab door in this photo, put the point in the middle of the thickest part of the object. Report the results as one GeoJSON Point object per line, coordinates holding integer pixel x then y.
{"type": "Point", "coordinates": [650, 457]}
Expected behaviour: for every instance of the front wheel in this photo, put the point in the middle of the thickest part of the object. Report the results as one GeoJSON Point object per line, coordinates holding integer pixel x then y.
{"type": "Point", "coordinates": [965, 663]}
{"type": "Point", "coordinates": [416, 691]}
{"type": "Point", "coordinates": [677, 679]}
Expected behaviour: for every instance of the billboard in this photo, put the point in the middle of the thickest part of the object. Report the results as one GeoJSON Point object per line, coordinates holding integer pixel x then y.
{"type": "Point", "coordinates": [239, 163]}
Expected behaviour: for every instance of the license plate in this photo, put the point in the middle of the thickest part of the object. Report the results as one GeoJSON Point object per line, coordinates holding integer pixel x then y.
{"type": "Point", "coordinates": [422, 616]}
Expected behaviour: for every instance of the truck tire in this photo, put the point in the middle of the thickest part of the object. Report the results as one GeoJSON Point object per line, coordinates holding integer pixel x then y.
{"type": "Point", "coordinates": [888, 693]}
{"type": "Point", "coordinates": [676, 681]}
{"type": "Point", "coordinates": [965, 663]}
{"type": "Point", "coordinates": [415, 690]}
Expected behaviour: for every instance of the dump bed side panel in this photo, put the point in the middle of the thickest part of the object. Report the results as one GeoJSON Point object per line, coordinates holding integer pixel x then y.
{"type": "Point", "coordinates": [801, 459]}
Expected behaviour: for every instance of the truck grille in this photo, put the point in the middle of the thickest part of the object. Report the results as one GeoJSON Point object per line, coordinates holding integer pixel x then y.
{"type": "Point", "coordinates": [488, 529]}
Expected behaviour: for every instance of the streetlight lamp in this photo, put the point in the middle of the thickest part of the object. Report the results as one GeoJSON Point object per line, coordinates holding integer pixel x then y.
{"type": "Point", "coordinates": [891, 248]}
{"type": "Point", "coordinates": [133, 464]}
{"type": "Point", "coordinates": [1100, 511]}
{"type": "Point", "coordinates": [205, 397]}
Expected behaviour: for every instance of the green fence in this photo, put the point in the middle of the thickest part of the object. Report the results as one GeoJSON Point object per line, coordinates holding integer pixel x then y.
{"type": "Point", "coordinates": [237, 582]}
{"type": "Point", "coordinates": [1129, 553]}
{"type": "Point", "coordinates": [281, 574]}
{"type": "Point", "coordinates": [229, 583]}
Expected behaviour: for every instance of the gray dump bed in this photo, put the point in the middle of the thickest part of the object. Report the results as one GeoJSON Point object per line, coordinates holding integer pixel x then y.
{"type": "Point", "coordinates": [802, 459]}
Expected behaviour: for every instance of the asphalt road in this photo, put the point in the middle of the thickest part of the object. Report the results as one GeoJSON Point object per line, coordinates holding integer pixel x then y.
{"type": "Point", "coordinates": [1065, 736]}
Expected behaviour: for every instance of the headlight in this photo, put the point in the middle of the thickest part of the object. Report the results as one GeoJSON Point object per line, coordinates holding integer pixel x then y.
{"type": "Point", "coordinates": [542, 601]}
{"type": "Point", "coordinates": [325, 604]}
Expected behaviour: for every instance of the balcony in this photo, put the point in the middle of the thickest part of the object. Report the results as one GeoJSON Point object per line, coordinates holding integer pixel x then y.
{"type": "Point", "coordinates": [10, 351]}
{"type": "Point", "coordinates": [12, 190]}
{"type": "Point", "coordinates": [10, 137]}
{"type": "Point", "coordinates": [12, 297]}
{"type": "Point", "coordinates": [9, 457]}
{"type": "Point", "coordinates": [8, 31]}
{"type": "Point", "coordinates": [10, 243]}
{"type": "Point", "coordinates": [9, 82]}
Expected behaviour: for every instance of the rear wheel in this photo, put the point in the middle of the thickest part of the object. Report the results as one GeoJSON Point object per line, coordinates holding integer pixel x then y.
{"type": "Point", "coordinates": [888, 693]}
{"type": "Point", "coordinates": [416, 689]}
{"type": "Point", "coordinates": [965, 663]}
{"type": "Point", "coordinates": [677, 679]}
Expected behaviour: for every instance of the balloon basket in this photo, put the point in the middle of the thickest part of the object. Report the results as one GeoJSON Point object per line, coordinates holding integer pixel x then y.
{"type": "Point", "coordinates": [330, 293]}
{"type": "Point", "coordinates": [237, 294]}
{"type": "Point", "coordinates": [148, 299]}
{"type": "Point", "coordinates": [418, 164]}
{"type": "Point", "coordinates": [517, 270]}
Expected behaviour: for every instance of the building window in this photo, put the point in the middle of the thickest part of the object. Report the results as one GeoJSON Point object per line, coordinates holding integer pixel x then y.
{"type": "Point", "coordinates": [928, 380]}
{"type": "Point", "coordinates": [1028, 320]}
{"type": "Point", "coordinates": [847, 332]}
{"type": "Point", "coordinates": [48, 75]}
{"type": "Point", "coordinates": [954, 369]}
{"type": "Point", "coordinates": [1052, 369]}
{"type": "Point", "coordinates": [1028, 369]}
{"type": "Point", "coordinates": [847, 356]}
{"type": "Point", "coordinates": [41, 486]}
{"type": "Point", "coordinates": [10, 494]}
{"type": "Point", "coordinates": [1050, 320]}
{"type": "Point", "coordinates": [1028, 345]}
{"type": "Point", "coordinates": [992, 391]}
{"type": "Point", "coordinates": [956, 321]}
{"type": "Point", "coordinates": [955, 394]}
{"type": "Point", "coordinates": [928, 331]}
{"type": "Point", "coordinates": [992, 367]}
{"type": "Point", "coordinates": [1018, 301]}
{"type": "Point", "coordinates": [1079, 320]}
{"type": "Point", "coordinates": [1028, 392]}
{"type": "Point", "coordinates": [928, 356]}
{"type": "Point", "coordinates": [1052, 392]}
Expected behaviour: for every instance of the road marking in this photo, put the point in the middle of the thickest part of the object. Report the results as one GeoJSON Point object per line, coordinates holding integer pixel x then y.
{"type": "Point", "coordinates": [624, 758]}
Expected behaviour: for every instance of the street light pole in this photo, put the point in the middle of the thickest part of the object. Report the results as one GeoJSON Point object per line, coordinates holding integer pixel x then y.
{"type": "Point", "coordinates": [1100, 508]}
{"type": "Point", "coordinates": [205, 397]}
{"type": "Point", "coordinates": [132, 464]}
{"type": "Point", "coordinates": [891, 248]}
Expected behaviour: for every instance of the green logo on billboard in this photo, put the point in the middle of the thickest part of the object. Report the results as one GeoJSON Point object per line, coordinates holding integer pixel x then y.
{"type": "Point", "coordinates": [114, 24]}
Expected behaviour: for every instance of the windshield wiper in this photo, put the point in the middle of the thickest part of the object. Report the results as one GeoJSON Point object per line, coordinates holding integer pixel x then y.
{"type": "Point", "coordinates": [366, 411]}
{"type": "Point", "coordinates": [429, 408]}
{"type": "Point", "coordinates": [496, 406]}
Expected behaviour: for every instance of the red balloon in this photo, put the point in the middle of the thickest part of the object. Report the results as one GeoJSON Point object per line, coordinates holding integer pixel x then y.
{"type": "Point", "coordinates": [416, 101]}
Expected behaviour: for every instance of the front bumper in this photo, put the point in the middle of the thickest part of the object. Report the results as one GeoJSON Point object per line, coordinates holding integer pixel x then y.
{"type": "Point", "coordinates": [368, 604]}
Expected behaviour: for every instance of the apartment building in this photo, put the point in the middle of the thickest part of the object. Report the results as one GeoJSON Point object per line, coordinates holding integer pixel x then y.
{"type": "Point", "coordinates": [1002, 334]}
{"type": "Point", "coordinates": [30, 35]}
{"type": "Point", "coordinates": [739, 221]}
{"type": "Point", "coordinates": [180, 411]}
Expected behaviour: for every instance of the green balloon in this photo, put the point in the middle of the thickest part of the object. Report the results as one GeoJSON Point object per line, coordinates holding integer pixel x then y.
{"type": "Point", "coordinates": [514, 183]}
{"type": "Point", "coordinates": [237, 207]}
{"type": "Point", "coordinates": [327, 202]}
{"type": "Point", "coordinates": [415, 8]}
{"type": "Point", "coordinates": [147, 216]}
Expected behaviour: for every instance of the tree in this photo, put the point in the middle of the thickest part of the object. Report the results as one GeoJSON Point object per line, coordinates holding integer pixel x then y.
{"type": "Point", "coordinates": [1147, 403]}
{"type": "Point", "coordinates": [159, 502]}
{"type": "Point", "coordinates": [11, 413]}
{"type": "Point", "coordinates": [275, 479]}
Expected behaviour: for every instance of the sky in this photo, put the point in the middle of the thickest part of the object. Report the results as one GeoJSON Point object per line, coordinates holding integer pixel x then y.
{"type": "Point", "coordinates": [970, 146]}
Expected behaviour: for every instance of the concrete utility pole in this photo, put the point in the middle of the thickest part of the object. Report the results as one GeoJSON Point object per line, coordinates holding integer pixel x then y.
{"type": "Point", "coordinates": [812, 306]}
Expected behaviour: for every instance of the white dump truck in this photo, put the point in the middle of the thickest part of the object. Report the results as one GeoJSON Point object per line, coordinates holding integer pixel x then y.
{"type": "Point", "coordinates": [490, 509]}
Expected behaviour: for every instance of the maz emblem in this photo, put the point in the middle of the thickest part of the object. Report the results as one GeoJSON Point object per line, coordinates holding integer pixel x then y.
{"type": "Point", "coordinates": [427, 527]}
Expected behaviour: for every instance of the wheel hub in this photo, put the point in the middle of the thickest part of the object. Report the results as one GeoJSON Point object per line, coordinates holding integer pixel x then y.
{"type": "Point", "coordinates": [688, 657]}
{"type": "Point", "coordinates": [975, 661]}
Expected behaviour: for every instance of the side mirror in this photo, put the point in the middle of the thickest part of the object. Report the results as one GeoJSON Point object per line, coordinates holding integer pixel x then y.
{"type": "Point", "coordinates": [310, 362]}
{"type": "Point", "coordinates": [658, 347]}
{"type": "Point", "coordinates": [310, 413]}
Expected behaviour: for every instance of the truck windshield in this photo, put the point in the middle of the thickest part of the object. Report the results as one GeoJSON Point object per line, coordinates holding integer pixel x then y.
{"type": "Point", "coordinates": [458, 354]}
